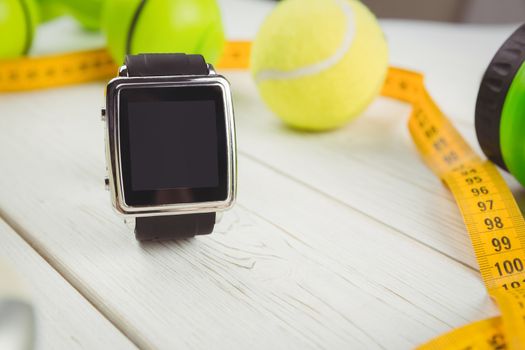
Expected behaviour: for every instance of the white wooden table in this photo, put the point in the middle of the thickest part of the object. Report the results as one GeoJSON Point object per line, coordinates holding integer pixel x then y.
{"type": "Point", "coordinates": [339, 240]}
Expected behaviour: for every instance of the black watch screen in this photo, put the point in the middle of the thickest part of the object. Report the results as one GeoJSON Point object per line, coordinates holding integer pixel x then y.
{"type": "Point", "coordinates": [173, 145]}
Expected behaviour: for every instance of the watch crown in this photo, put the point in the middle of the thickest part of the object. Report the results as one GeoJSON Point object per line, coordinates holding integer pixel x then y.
{"type": "Point", "coordinates": [103, 114]}
{"type": "Point", "coordinates": [211, 69]}
{"type": "Point", "coordinates": [106, 183]}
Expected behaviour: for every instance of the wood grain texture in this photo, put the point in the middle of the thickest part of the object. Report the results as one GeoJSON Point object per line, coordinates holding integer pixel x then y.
{"type": "Point", "coordinates": [290, 267]}
{"type": "Point", "coordinates": [375, 151]}
{"type": "Point", "coordinates": [65, 320]}
{"type": "Point", "coordinates": [339, 240]}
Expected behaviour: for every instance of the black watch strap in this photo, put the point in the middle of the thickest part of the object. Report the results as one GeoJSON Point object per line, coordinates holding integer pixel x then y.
{"type": "Point", "coordinates": [160, 228]}
{"type": "Point", "coordinates": [160, 64]}
{"type": "Point", "coordinates": [174, 226]}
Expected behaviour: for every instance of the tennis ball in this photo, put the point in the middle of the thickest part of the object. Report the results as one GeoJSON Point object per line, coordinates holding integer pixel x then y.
{"type": "Point", "coordinates": [163, 26]}
{"type": "Point", "coordinates": [18, 20]}
{"type": "Point", "coordinates": [319, 63]}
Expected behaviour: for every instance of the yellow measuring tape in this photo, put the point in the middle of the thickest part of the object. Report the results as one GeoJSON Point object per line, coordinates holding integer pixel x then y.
{"type": "Point", "coordinates": [493, 219]}
{"type": "Point", "coordinates": [79, 67]}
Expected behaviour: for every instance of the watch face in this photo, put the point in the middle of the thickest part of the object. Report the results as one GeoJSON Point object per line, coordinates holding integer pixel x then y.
{"type": "Point", "coordinates": [173, 145]}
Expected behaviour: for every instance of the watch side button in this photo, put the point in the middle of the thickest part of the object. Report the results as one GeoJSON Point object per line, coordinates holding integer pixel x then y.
{"type": "Point", "coordinates": [106, 183]}
{"type": "Point", "coordinates": [103, 114]}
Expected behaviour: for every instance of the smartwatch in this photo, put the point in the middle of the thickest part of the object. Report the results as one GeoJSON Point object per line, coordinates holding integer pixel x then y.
{"type": "Point", "coordinates": [170, 145]}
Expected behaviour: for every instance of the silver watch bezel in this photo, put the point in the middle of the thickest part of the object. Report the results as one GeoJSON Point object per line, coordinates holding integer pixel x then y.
{"type": "Point", "coordinates": [112, 141]}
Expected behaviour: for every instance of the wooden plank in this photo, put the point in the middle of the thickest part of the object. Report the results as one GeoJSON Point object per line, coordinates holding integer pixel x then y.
{"type": "Point", "coordinates": [61, 312]}
{"type": "Point", "coordinates": [302, 261]}
{"type": "Point", "coordinates": [453, 58]}
{"type": "Point", "coordinates": [371, 165]}
{"type": "Point", "coordinates": [290, 267]}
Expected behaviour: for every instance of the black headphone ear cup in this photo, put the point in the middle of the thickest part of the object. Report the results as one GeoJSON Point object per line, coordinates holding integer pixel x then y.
{"type": "Point", "coordinates": [492, 93]}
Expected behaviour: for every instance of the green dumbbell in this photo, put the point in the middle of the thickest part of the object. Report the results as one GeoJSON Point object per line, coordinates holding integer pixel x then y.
{"type": "Point", "coordinates": [130, 26]}
{"type": "Point", "coordinates": [86, 12]}
{"type": "Point", "coordinates": [142, 26]}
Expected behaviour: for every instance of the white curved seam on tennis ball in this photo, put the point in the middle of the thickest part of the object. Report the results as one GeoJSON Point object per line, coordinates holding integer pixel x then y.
{"type": "Point", "coordinates": [275, 74]}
